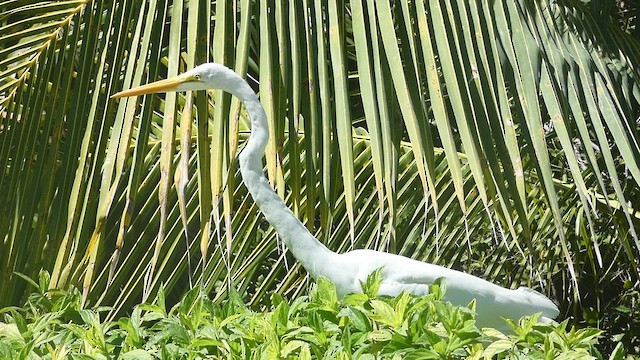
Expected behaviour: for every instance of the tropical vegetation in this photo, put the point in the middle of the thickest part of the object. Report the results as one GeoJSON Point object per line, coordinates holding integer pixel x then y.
{"type": "Point", "coordinates": [53, 324]}
{"type": "Point", "coordinates": [495, 137]}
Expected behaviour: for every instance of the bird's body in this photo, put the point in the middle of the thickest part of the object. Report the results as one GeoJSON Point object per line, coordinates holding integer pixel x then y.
{"type": "Point", "coordinates": [493, 302]}
{"type": "Point", "coordinates": [347, 270]}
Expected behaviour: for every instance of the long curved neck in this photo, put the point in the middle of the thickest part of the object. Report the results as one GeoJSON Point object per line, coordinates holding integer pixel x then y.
{"type": "Point", "coordinates": [310, 252]}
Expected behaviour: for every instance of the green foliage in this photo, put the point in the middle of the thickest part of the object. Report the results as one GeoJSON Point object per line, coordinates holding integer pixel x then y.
{"type": "Point", "coordinates": [497, 137]}
{"type": "Point", "coordinates": [52, 324]}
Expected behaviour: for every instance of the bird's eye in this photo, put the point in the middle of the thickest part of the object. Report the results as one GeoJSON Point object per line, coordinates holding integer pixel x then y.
{"type": "Point", "coordinates": [198, 77]}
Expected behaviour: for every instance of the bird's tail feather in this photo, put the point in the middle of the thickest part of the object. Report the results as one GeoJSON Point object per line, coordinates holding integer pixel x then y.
{"type": "Point", "coordinates": [542, 303]}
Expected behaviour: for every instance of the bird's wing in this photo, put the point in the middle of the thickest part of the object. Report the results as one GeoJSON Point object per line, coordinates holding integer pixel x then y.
{"type": "Point", "coordinates": [393, 289]}
{"type": "Point", "coordinates": [397, 269]}
{"type": "Point", "coordinates": [404, 270]}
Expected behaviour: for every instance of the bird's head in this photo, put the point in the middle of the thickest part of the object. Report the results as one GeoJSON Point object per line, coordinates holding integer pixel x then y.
{"type": "Point", "coordinates": [202, 77]}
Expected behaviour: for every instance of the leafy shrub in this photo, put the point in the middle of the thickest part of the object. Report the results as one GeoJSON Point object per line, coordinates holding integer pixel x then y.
{"type": "Point", "coordinates": [52, 325]}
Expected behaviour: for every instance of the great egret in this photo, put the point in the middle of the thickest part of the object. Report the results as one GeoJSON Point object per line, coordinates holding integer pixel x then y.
{"type": "Point", "coordinates": [347, 270]}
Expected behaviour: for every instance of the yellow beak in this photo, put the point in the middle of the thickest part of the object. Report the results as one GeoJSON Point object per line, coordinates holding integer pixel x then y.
{"type": "Point", "coordinates": [155, 87]}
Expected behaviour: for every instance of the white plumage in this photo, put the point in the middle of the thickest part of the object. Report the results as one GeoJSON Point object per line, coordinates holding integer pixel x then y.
{"type": "Point", "coordinates": [347, 270]}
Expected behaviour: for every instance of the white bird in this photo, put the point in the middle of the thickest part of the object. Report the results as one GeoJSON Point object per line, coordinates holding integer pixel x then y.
{"type": "Point", "coordinates": [347, 270]}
